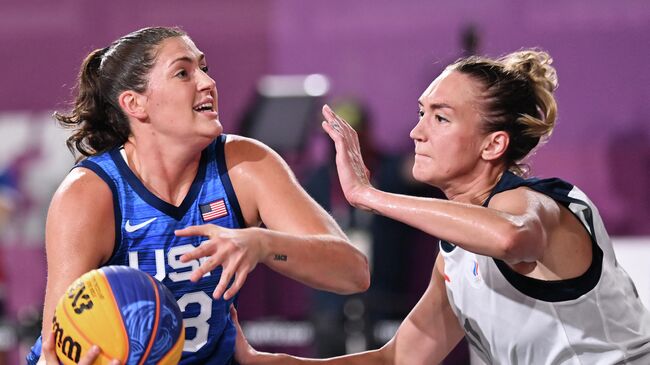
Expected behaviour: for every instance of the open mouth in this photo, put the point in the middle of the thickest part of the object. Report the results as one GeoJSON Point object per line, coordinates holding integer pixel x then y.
{"type": "Point", "coordinates": [204, 107]}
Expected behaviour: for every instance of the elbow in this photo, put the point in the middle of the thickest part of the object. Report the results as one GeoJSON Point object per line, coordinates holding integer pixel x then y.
{"type": "Point", "coordinates": [520, 244]}
{"type": "Point", "coordinates": [356, 287]}
{"type": "Point", "coordinates": [363, 280]}
{"type": "Point", "coordinates": [509, 249]}
{"type": "Point", "coordinates": [358, 280]}
{"type": "Point", "coordinates": [361, 277]}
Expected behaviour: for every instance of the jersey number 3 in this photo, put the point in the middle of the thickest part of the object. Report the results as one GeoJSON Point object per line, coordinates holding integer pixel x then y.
{"type": "Point", "coordinates": [200, 322]}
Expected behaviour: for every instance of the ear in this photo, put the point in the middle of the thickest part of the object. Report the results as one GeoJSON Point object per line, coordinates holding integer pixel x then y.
{"type": "Point", "coordinates": [133, 104]}
{"type": "Point", "coordinates": [496, 145]}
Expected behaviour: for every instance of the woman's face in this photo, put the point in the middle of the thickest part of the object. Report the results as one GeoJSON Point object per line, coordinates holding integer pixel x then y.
{"type": "Point", "coordinates": [181, 98]}
{"type": "Point", "coordinates": [448, 140]}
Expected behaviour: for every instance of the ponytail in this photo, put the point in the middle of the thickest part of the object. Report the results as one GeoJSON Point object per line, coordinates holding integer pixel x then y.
{"type": "Point", "coordinates": [96, 118]}
{"type": "Point", "coordinates": [91, 118]}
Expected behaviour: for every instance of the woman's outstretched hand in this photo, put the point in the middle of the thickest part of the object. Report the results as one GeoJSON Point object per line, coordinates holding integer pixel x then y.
{"type": "Point", "coordinates": [238, 251]}
{"type": "Point", "coordinates": [353, 174]}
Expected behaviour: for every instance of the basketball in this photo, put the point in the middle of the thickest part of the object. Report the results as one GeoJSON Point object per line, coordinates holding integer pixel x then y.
{"type": "Point", "coordinates": [126, 312]}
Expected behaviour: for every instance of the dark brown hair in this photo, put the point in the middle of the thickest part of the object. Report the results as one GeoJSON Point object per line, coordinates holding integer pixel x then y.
{"type": "Point", "coordinates": [97, 119]}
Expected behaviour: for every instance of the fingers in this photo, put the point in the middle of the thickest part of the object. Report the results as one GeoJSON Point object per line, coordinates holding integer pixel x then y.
{"type": "Point", "coordinates": [244, 353]}
{"type": "Point", "coordinates": [216, 258]}
{"type": "Point", "coordinates": [203, 269]}
{"type": "Point", "coordinates": [206, 248]}
{"type": "Point", "coordinates": [336, 136]}
{"type": "Point", "coordinates": [240, 278]}
{"type": "Point", "coordinates": [200, 230]}
{"type": "Point", "coordinates": [240, 268]}
{"type": "Point", "coordinates": [232, 249]}
{"type": "Point", "coordinates": [337, 122]}
{"type": "Point", "coordinates": [328, 128]}
{"type": "Point", "coordinates": [341, 141]}
{"type": "Point", "coordinates": [49, 353]}
{"type": "Point", "coordinates": [90, 356]}
{"type": "Point", "coordinates": [342, 127]}
{"type": "Point", "coordinates": [235, 318]}
{"type": "Point", "coordinates": [334, 121]}
{"type": "Point", "coordinates": [345, 140]}
{"type": "Point", "coordinates": [48, 350]}
{"type": "Point", "coordinates": [226, 275]}
{"type": "Point", "coordinates": [329, 115]}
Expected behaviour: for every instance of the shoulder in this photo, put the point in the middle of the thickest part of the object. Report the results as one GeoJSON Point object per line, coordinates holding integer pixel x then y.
{"type": "Point", "coordinates": [251, 156]}
{"type": "Point", "coordinates": [82, 186]}
{"type": "Point", "coordinates": [257, 173]}
{"type": "Point", "coordinates": [522, 200]}
{"type": "Point", "coordinates": [246, 147]}
{"type": "Point", "coordinates": [81, 215]}
{"type": "Point", "coordinates": [81, 179]}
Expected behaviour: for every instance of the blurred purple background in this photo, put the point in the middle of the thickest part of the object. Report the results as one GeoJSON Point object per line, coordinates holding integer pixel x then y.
{"type": "Point", "coordinates": [383, 53]}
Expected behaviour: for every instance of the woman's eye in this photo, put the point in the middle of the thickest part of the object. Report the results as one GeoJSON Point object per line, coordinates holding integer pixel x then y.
{"type": "Point", "coordinates": [205, 69]}
{"type": "Point", "coordinates": [441, 119]}
{"type": "Point", "coordinates": [420, 114]}
{"type": "Point", "coordinates": [181, 74]}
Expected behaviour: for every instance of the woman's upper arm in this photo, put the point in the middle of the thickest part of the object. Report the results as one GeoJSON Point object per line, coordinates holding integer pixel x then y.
{"type": "Point", "coordinates": [79, 232]}
{"type": "Point", "coordinates": [534, 216]}
{"type": "Point", "coordinates": [268, 191]}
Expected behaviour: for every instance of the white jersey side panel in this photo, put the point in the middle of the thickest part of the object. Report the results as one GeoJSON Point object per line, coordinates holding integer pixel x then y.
{"type": "Point", "coordinates": [606, 325]}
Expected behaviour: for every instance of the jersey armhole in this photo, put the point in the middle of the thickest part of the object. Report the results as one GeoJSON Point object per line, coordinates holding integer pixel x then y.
{"type": "Point", "coordinates": [553, 290]}
{"type": "Point", "coordinates": [225, 179]}
{"type": "Point", "coordinates": [117, 213]}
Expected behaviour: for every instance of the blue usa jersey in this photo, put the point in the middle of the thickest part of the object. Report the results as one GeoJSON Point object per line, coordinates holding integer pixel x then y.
{"type": "Point", "coordinates": [144, 239]}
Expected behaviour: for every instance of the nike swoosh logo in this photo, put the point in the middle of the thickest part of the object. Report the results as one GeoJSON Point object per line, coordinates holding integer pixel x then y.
{"type": "Point", "coordinates": [129, 228]}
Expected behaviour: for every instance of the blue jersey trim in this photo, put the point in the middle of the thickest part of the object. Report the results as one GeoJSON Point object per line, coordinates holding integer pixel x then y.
{"type": "Point", "coordinates": [117, 212]}
{"type": "Point", "coordinates": [35, 352]}
{"type": "Point", "coordinates": [144, 193]}
{"type": "Point", "coordinates": [225, 179]}
{"type": "Point", "coordinates": [446, 246]}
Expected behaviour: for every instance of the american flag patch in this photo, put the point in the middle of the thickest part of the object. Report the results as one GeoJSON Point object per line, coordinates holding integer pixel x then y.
{"type": "Point", "coordinates": [214, 210]}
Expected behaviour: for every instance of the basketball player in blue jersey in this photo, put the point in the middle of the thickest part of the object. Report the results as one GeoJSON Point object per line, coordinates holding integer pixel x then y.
{"type": "Point", "coordinates": [160, 188]}
{"type": "Point", "coordinates": [526, 270]}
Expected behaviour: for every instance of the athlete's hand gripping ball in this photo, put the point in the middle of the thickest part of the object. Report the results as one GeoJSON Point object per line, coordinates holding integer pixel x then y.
{"type": "Point", "coordinates": [125, 312]}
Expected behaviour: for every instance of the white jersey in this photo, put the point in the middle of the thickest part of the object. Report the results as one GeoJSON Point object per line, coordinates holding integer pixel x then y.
{"type": "Point", "coordinates": [509, 318]}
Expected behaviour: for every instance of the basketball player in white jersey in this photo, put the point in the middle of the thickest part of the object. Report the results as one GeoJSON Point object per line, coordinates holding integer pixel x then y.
{"type": "Point", "coordinates": [526, 270]}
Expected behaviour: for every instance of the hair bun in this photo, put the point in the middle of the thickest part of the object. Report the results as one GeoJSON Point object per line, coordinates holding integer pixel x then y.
{"type": "Point", "coordinates": [534, 65]}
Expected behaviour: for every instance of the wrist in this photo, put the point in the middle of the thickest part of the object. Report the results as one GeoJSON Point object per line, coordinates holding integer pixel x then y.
{"type": "Point", "coordinates": [264, 243]}
{"type": "Point", "coordinates": [366, 198]}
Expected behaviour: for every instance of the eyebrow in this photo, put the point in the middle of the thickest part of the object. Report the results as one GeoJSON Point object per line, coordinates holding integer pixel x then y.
{"type": "Point", "coordinates": [437, 105]}
{"type": "Point", "coordinates": [187, 59]}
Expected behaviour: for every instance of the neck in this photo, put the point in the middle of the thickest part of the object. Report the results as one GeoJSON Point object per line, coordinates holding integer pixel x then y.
{"type": "Point", "coordinates": [168, 172]}
{"type": "Point", "coordinates": [474, 189]}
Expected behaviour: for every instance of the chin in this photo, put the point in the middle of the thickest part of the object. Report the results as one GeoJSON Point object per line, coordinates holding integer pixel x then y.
{"type": "Point", "coordinates": [215, 129]}
{"type": "Point", "coordinates": [426, 177]}
{"type": "Point", "coordinates": [419, 174]}
{"type": "Point", "coordinates": [218, 130]}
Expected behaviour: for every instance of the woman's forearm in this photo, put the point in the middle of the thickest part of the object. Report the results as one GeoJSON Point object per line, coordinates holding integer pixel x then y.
{"type": "Point", "coordinates": [475, 228]}
{"type": "Point", "coordinates": [325, 262]}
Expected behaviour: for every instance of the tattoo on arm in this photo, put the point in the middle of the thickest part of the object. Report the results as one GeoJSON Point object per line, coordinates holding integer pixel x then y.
{"type": "Point", "coordinates": [280, 257]}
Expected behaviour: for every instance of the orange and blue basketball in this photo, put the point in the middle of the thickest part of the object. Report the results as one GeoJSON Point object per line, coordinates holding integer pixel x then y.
{"type": "Point", "coordinates": [130, 315]}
